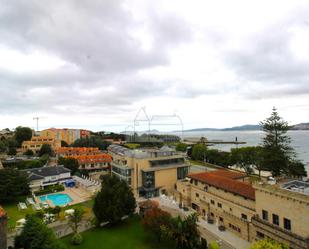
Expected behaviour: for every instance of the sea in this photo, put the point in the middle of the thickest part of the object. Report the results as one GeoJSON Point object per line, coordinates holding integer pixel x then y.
{"type": "Point", "coordinates": [299, 140]}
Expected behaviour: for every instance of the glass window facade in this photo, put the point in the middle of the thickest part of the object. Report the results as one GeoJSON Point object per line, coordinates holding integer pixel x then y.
{"type": "Point", "coordinates": [182, 172]}
{"type": "Point", "coordinates": [166, 162]}
{"type": "Point", "coordinates": [148, 179]}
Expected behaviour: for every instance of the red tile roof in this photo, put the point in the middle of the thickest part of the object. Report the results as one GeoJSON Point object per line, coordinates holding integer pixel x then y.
{"type": "Point", "coordinates": [224, 180]}
{"type": "Point", "coordinates": [228, 173]}
{"type": "Point", "coordinates": [105, 158]}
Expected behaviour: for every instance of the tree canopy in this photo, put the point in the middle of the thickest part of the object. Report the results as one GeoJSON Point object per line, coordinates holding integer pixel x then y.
{"type": "Point", "coordinates": [114, 201]}
{"type": "Point", "coordinates": [36, 235]}
{"type": "Point", "coordinates": [154, 219]}
{"type": "Point", "coordinates": [94, 141]}
{"type": "Point", "coordinates": [184, 232]}
{"type": "Point", "coordinates": [69, 163]}
{"type": "Point", "coordinates": [278, 156]}
{"type": "Point", "coordinates": [268, 244]}
{"type": "Point", "coordinates": [46, 149]}
{"type": "Point", "coordinates": [22, 134]}
{"type": "Point", "coordinates": [13, 184]}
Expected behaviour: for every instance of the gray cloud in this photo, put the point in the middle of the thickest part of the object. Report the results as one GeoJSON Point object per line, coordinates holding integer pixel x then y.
{"type": "Point", "coordinates": [96, 38]}
{"type": "Point", "coordinates": [267, 66]}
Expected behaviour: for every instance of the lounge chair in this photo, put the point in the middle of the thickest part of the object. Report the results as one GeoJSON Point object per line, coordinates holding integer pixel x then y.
{"type": "Point", "coordinates": [22, 206]}
{"type": "Point", "coordinates": [36, 207]}
{"type": "Point", "coordinates": [30, 201]}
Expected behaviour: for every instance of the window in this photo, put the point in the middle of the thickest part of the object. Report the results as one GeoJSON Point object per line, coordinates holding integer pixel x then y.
{"type": "Point", "coordinates": [260, 235]}
{"type": "Point", "coordinates": [195, 182]}
{"type": "Point", "coordinates": [287, 224]}
{"type": "Point", "coordinates": [276, 219]}
{"type": "Point", "coordinates": [264, 215]}
{"type": "Point", "coordinates": [221, 219]}
{"type": "Point", "coordinates": [244, 216]}
{"type": "Point", "coordinates": [206, 188]}
{"type": "Point", "coordinates": [197, 195]}
{"type": "Point", "coordinates": [212, 202]}
{"type": "Point", "coordinates": [219, 205]}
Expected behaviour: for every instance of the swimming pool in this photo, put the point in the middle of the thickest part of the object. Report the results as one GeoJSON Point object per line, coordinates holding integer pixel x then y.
{"type": "Point", "coordinates": [57, 199]}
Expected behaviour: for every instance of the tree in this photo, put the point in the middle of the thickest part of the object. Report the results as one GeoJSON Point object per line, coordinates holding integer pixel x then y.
{"type": "Point", "coordinates": [154, 219]}
{"type": "Point", "coordinates": [267, 244]}
{"type": "Point", "coordinates": [28, 153]}
{"type": "Point", "coordinates": [46, 149]}
{"type": "Point", "coordinates": [69, 163]}
{"type": "Point", "coordinates": [13, 183]}
{"type": "Point", "coordinates": [183, 232]}
{"type": "Point", "coordinates": [36, 235]}
{"type": "Point", "coordinates": [94, 141]}
{"type": "Point", "coordinates": [181, 147]}
{"type": "Point", "coordinates": [245, 158]}
{"type": "Point", "coordinates": [22, 134]}
{"type": "Point", "coordinates": [75, 218]}
{"type": "Point", "coordinates": [2, 146]}
{"type": "Point", "coordinates": [214, 245]}
{"type": "Point", "coordinates": [277, 153]}
{"type": "Point", "coordinates": [199, 151]}
{"type": "Point", "coordinates": [12, 151]}
{"type": "Point", "coordinates": [64, 144]}
{"type": "Point", "coordinates": [114, 201]}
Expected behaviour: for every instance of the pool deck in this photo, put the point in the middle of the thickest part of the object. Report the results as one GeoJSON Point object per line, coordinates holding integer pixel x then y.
{"type": "Point", "coordinates": [78, 195]}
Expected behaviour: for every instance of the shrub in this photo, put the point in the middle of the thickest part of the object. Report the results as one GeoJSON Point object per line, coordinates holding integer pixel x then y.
{"type": "Point", "coordinates": [50, 189]}
{"type": "Point", "coordinates": [77, 239]}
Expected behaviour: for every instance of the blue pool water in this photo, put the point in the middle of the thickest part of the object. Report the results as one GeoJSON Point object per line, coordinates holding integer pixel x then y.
{"type": "Point", "coordinates": [57, 199]}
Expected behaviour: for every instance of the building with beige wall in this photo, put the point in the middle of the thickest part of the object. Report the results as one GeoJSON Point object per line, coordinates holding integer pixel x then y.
{"type": "Point", "coordinates": [221, 197]}
{"type": "Point", "coordinates": [67, 135]}
{"type": "Point", "coordinates": [36, 143]}
{"type": "Point", "coordinates": [279, 212]}
{"type": "Point", "coordinates": [282, 213]}
{"type": "Point", "coordinates": [94, 163]}
{"type": "Point", "coordinates": [149, 172]}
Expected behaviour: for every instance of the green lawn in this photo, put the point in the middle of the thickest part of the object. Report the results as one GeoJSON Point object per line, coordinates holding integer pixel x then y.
{"type": "Point", "coordinates": [15, 214]}
{"type": "Point", "coordinates": [129, 235]}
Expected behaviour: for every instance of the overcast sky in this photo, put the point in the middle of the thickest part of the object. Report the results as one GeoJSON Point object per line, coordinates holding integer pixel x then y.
{"type": "Point", "coordinates": [94, 64]}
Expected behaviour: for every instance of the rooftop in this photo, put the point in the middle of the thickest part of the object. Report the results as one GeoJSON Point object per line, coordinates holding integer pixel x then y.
{"type": "Point", "coordinates": [297, 186]}
{"type": "Point", "coordinates": [226, 180]}
{"type": "Point", "coordinates": [141, 153]}
{"type": "Point", "coordinates": [40, 173]}
{"type": "Point", "coordinates": [76, 149]}
{"type": "Point", "coordinates": [93, 158]}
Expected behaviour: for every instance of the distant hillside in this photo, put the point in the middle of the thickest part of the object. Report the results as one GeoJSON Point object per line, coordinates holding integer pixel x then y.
{"type": "Point", "coordinates": [236, 128]}
{"type": "Point", "coordinates": [243, 128]}
{"type": "Point", "coordinates": [301, 126]}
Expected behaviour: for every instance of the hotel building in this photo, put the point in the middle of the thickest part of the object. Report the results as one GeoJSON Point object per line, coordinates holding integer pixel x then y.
{"type": "Point", "coordinates": [36, 143]}
{"type": "Point", "coordinates": [221, 197]}
{"type": "Point", "coordinates": [149, 172]}
{"type": "Point", "coordinates": [279, 211]}
{"type": "Point", "coordinates": [67, 135]}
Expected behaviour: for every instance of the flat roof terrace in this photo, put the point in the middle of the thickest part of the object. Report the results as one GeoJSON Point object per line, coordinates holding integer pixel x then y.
{"type": "Point", "coordinates": [297, 186]}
